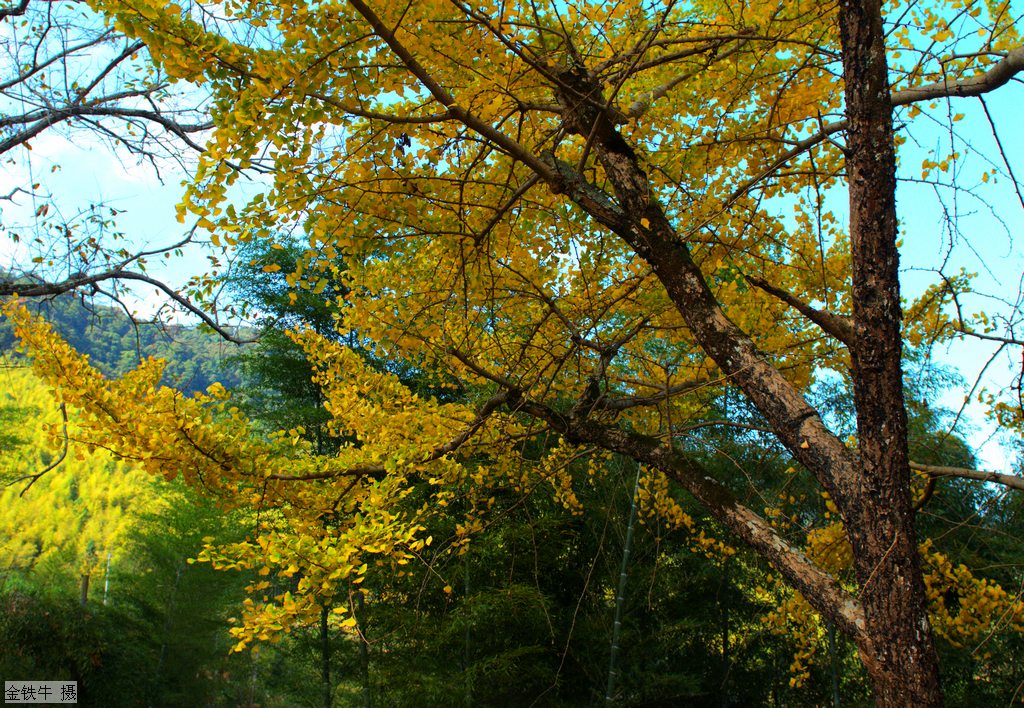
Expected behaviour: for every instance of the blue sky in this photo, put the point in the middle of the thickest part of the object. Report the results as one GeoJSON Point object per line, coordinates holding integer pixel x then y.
{"type": "Point", "coordinates": [990, 241]}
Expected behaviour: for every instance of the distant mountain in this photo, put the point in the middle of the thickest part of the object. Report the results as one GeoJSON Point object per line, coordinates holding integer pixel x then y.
{"type": "Point", "coordinates": [195, 357]}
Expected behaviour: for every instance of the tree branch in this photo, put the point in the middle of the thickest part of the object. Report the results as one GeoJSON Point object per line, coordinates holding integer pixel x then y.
{"type": "Point", "coordinates": [45, 119]}
{"type": "Point", "coordinates": [500, 140]}
{"type": "Point", "coordinates": [824, 593]}
{"type": "Point", "coordinates": [63, 55]}
{"type": "Point", "coordinates": [485, 411]}
{"type": "Point", "coordinates": [15, 11]}
{"type": "Point", "coordinates": [376, 115]}
{"type": "Point", "coordinates": [998, 75]}
{"type": "Point", "coordinates": [44, 289]}
{"type": "Point", "coordinates": [1007, 480]}
{"type": "Point", "coordinates": [642, 105]}
{"type": "Point", "coordinates": [625, 403]}
{"type": "Point", "coordinates": [33, 478]}
{"type": "Point", "coordinates": [838, 326]}
{"type": "Point", "coordinates": [989, 337]}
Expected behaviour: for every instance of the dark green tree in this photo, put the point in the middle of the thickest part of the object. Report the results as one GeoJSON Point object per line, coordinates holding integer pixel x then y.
{"type": "Point", "coordinates": [186, 607]}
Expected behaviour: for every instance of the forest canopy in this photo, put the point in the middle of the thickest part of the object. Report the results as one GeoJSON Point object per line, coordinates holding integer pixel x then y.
{"type": "Point", "coordinates": [550, 238]}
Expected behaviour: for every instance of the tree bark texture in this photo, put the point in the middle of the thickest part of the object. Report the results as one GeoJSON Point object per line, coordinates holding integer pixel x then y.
{"type": "Point", "coordinates": [903, 664]}
{"type": "Point", "coordinates": [325, 657]}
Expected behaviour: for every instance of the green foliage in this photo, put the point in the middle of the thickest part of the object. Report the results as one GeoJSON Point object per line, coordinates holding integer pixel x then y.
{"type": "Point", "coordinates": [527, 616]}
{"type": "Point", "coordinates": [159, 637]}
{"type": "Point", "coordinates": [276, 387]}
{"type": "Point", "coordinates": [185, 607]}
{"type": "Point", "coordinates": [12, 417]}
{"type": "Point", "coordinates": [523, 617]}
{"type": "Point", "coordinates": [107, 650]}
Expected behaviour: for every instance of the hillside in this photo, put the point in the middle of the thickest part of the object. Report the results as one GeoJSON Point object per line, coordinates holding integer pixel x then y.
{"type": "Point", "coordinates": [196, 358]}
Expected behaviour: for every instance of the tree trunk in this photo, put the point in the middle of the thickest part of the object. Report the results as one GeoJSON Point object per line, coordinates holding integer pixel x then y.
{"type": "Point", "coordinates": [467, 683]}
{"type": "Point", "coordinates": [886, 618]}
{"type": "Point", "coordinates": [620, 595]}
{"type": "Point", "coordinates": [364, 650]}
{"type": "Point", "coordinates": [724, 599]}
{"type": "Point", "coordinates": [325, 656]}
{"type": "Point", "coordinates": [833, 655]}
{"type": "Point", "coordinates": [901, 658]}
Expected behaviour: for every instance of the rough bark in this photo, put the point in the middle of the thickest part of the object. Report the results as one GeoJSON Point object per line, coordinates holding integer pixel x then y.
{"type": "Point", "coordinates": [641, 221]}
{"type": "Point", "coordinates": [904, 667]}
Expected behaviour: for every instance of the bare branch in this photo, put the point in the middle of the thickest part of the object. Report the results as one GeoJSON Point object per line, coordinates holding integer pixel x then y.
{"type": "Point", "coordinates": [989, 337]}
{"type": "Point", "coordinates": [1007, 480]}
{"type": "Point", "coordinates": [1002, 151]}
{"type": "Point", "coordinates": [62, 55]}
{"type": "Point", "coordinates": [15, 11]}
{"type": "Point", "coordinates": [43, 119]}
{"type": "Point", "coordinates": [33, 478]}
{"type": "Point", "coordinates": [44, 289]}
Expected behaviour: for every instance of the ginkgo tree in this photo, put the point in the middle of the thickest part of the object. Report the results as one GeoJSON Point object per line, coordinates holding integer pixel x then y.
{"type": "Point", "coordinates": [591, 219]}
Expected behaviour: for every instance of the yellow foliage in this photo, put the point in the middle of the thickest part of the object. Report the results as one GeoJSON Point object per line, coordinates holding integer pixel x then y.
{"type": "Point", "coordinates": [963, 609]}
{"type": "Point", "coordinates": [655, 501]}
{"type": "Point", "coordinates": [319, 518]}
